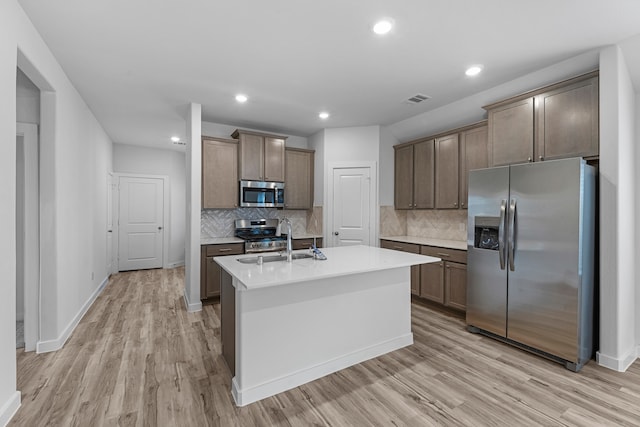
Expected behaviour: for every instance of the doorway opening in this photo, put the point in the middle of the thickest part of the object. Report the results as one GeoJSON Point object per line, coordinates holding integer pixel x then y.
{"type": "Point", "coordinates": [27, 213]}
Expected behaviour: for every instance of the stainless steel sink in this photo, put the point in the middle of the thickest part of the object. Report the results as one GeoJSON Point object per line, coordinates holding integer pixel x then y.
{"type": "Point", "coordinates": [273, 258]}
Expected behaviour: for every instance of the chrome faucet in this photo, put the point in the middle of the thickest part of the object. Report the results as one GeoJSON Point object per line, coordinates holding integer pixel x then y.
{"type": "Point", "coordinates": [289, 232]}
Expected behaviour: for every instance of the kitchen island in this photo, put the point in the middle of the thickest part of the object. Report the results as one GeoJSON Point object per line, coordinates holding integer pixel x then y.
{"type": "Point", "coordinates": [285, 324]}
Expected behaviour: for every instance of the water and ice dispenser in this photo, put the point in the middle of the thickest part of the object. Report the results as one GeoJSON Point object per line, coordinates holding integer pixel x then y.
{"type": "Point", "coordinates": [486, 232]}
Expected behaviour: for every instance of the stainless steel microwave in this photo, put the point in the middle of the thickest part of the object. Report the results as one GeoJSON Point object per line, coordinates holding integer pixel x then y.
{"type": "Point", "coordinates": [261, 194]}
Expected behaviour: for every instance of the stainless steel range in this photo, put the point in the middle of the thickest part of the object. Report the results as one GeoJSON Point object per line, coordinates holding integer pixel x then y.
{"type": "Point", "coordinates": [259, 235]}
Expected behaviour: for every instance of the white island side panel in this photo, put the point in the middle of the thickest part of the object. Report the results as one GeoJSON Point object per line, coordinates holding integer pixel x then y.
{"type": "Point", "coordinates": [289, 335]}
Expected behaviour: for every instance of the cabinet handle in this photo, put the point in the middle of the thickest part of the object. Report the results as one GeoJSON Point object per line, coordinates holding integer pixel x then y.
{"type": "Point", "coordinates": [455, 205]}
{"type": "Point", "coordinates": [398, 248]}
{"type": "Point", "coordinates": [541, 158]}
{"type": "Point", "coordinates": [224, 249]}
{"type": "Point", "coordinates": [529, 159]}
{"type": "Point", "coordinates": [462, 204]}
{"type": "Point", "coordinates": [442, 254]}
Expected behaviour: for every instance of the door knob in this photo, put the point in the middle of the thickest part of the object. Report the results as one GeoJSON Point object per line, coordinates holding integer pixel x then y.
{"type": "Point", "coordinates": [336, 233]}
{"type": "Point", "coordinates": [159, 228]}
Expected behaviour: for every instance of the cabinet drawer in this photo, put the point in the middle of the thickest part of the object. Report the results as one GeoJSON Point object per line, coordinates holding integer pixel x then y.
{"type": "Point", "coordinates": [400, 246]}
{"type": "Point", "coordinates": [227, 249]}
{"type": "Point", "coordinates": [455, 255]}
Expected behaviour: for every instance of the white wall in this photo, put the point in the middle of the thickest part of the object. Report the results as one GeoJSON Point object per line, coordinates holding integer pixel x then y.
{"type": "Point", "coordinates": [637, 207]}
{"type": "Point", "coordinates": [469, 110]}
{"type": "Point", "coordinates": [387, 166]}
{"type": "Point", "coordinates": [316, 142]}
{"type": "Point", "coordinates": [150, 161]}
{"type": "Point", "coordinates": [617, 201]}
{"type": "Point", "coordinates": [193, 169]}
{"type": "Point", "coordinates": [224, 131]}
{"type": "Point", "coordinates": [27, 100]}
{"type": "Point", "coordinates": [75, 159]}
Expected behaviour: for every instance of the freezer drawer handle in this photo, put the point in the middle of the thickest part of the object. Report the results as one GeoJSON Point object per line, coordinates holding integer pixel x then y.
{"type": "Point", "coordinates": [512, 243]}
{"type": "Point", "coordinates": [502, 226]}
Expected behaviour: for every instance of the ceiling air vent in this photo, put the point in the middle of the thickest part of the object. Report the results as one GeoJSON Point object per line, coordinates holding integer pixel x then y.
{"type": "Point", "coordinates": [417, 98]}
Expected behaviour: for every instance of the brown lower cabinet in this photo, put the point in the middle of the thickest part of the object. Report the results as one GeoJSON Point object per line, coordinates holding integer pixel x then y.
{"type": "Point", "coordinates": [305, 243]}
{"type": "Point", "coordinates": [210, 270]}
{"type": "Point", "coordinates": [445, 282]}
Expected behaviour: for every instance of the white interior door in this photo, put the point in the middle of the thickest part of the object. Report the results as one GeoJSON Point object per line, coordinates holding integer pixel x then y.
{"type": "Point", "coordinates": [109, 248]}
{"type": "Point", "coordinates": [141, 219]}
{"type": "Point", "coordinates": [351, 213]}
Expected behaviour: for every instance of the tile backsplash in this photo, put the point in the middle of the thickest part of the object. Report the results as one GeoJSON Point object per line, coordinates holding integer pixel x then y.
{"type": "Point", "coordinates": [392, 222]}
{"type": "Point", "coordinates": [220, 222]}
{"type": "Point", "coordinates": [447, 224]}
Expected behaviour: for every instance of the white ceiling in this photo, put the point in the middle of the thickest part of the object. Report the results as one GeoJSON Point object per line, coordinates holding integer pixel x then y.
{"type": "Point", "coordinates": [139, 63]}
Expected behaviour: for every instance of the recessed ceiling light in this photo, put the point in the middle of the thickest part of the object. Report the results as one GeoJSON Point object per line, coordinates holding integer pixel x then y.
{"type": "Point", "coordinates": [175, 139]}
{"type": "Point", "coordinates": [383, 26]}
{"type": "Point", "coordinates": [324, 115]}
{"type": "Point", "coordinates": [474, 70]}
{"type": "Point", "coordinates": [241, 98]}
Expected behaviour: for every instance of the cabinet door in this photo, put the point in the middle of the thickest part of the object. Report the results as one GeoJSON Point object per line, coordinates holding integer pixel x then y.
{"type": "Point", "coordinates": [273, 159]}
{"type": "Point", "coordinates": [447, 163]}
{"type": "Point", "coordinates": [251, 157]}
{"type": "Point", "coordinates": [219, 174]}
{"type": "Point", "coordinates": [423, 174]}
{"type": "Point", "coordinates": [567, 121]}
{"type": "Point", "coordinates": [415, 280]}
{"type": "Point", "coordinates": [403, 183]}
{"type": "Point", "coordinates": [474, 154]}
{"type": "Point", "coordinates": [456, 285]}
{"type": "Point", "coordinates": [511, 133]}
{"type": "Point", "coordinates": [432, 281]}
{"type": "Point", "coordinates": [213, 279]}
{"type": "Point", "coordinates": [298, 179]}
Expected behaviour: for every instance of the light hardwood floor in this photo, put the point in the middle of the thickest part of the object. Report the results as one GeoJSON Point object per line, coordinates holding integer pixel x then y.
{"type": "Point", "coordinates": [138, 358]}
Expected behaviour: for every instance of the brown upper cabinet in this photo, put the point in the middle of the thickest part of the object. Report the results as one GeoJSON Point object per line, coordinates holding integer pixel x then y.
{"type": "Point", "coordinates": [433, 172]}
{"type": "Point", "coordinates": [447, 176]}
{"type": "Point", "coordinates": [219, 173]}
{"type": "Point", "coordinates": [567, 121]}
{"type": "Point", "coordinates": [298, 180]}
{"type": "Point", "coordinates": [473, 155]}
{"type": "Point", "coordinates": [260, 156]}
{"type": "Point", "coordinates": [553, 122]}
{"type": "Point", "coordinates": [414, 175]}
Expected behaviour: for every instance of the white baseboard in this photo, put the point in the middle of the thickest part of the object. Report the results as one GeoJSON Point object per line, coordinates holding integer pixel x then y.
{"type": "Point", "coordinates": [278, 385]}
{"type": "Point", "coordinates": [618, 364]}
{"type": "Point", "coordinates": [56, 344]}
{"type": "Point", "coordinates": [9, 408]}
{"type": "Point", "coordinates": [175, 264]}
{"type": "Point", "coordinates": [191, 307]}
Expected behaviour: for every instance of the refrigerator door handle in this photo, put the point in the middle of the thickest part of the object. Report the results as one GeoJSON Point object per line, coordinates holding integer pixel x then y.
{"type": "Point", "coordinates": [511, 243]}
{"type": "Point", "coordinates": [502, 226]}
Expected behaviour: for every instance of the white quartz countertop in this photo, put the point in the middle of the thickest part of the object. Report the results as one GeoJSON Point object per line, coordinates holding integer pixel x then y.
{"type": "Point", "coordinates": [428, 241]}
{"type": "Point", "coordinates": [340, 261]}
{"type": "Point", "coordinates": [219, 240]}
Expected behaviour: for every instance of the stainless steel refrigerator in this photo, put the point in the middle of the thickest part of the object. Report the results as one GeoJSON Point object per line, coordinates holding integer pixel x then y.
{"type": "Point", "coordinates": [531, 257]}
